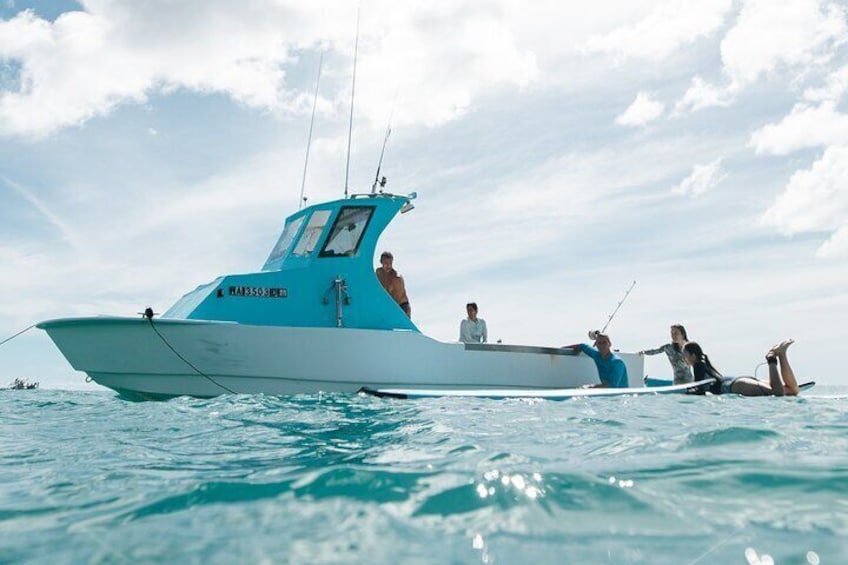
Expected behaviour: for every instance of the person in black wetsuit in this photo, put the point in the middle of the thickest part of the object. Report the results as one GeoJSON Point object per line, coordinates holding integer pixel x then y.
{"type": "Point", "coordinates": [781, 382]}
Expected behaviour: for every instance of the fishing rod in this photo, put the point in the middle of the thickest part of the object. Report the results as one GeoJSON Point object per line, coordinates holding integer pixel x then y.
{"type": "Point", "coordinates": [377, 180]}
{"type": "Point", "coordinates": [309, 139]}
{"type": "Point", "coordinates": [594, 334]}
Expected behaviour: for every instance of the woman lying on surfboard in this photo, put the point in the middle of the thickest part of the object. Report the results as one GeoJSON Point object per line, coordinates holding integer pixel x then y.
{"type": "Point", "coordinates": [781, 382]}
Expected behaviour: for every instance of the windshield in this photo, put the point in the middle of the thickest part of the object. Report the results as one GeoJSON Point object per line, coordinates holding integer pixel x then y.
{"type": "Point", "coordinates": [347, 231]}
{"type": "Point", "coordinates": [307, 242]}
{"type": "Point", "coordinates": [283, 244]}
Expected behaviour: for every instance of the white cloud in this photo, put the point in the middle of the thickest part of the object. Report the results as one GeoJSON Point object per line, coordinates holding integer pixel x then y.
{"type": "Point", "coordinates": [800, 35]}
{"type": "Point", "coordinates": [702, 179]}
{"type": "Point", "coordinates": [836, 247]}
{"type": "Point", "coordinates": [437, 69]}
{"type": "Point", "coordinates": [85, 63]}
{"type": "Point", "coordinates": [805, 126]}
{"type": "Point", "coordinates": [816, 200]}
{"type": "Point", "coordinates": [791, 32]}
{"type": "Point", "coordinates": [669, 26]}
{"type": "Point", "coordinates": [643, 110]}
{"type": "Point", "coordinates": [702, 94]}
{"type": "Point", "coordinates": [835, 87]}
{"type": "Point", "coordinates": [815, 122]}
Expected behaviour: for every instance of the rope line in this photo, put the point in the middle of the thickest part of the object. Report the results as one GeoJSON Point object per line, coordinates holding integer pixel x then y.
{"type": "Point", "coordinates": [186, 361]}
{"type": "Point", "coordinates": [722, 542]}
{"type": "Point", "coordinates": [17, 334]}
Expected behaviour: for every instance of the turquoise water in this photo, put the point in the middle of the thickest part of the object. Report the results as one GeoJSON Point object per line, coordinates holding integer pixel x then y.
{"type": "Point", "coordinates": [88, 478]}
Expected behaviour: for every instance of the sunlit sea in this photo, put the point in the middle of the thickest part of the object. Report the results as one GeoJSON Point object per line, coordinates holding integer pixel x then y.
{"type": "Point", "coordinates": [86, 477]}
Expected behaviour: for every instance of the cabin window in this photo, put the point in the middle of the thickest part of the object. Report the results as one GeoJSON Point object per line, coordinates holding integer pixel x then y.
{"type": "Point", "coordinates": [347, 231]}
{"type": "Point", "coordinates": [284, 242]}
{"type": "Point", "coordinates": [307, 242]}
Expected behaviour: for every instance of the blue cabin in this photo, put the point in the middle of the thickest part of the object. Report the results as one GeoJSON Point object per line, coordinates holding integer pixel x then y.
{"type": "Point", "coordinates": [320, 273]}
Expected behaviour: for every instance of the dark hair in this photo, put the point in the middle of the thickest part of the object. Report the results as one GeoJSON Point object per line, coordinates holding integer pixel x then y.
{"type": "Point", "coordinates": [682, 330]}
{"type": "Point", "coordinates": [386, 254]}
{"type": "Point", "coordinates": [472, 305]}
{"type": "Point", "coordinates": [693, 348]}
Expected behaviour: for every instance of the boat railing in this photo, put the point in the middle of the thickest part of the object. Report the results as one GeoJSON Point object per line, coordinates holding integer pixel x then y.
{"type": "Point", "coordinates": [499, 347]}
{"type": "Point", "coordinates": [339, 289]}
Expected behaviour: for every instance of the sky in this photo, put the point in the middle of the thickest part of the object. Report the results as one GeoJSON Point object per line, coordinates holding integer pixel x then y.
{"type": "Point", "coordinates": [560, 151]}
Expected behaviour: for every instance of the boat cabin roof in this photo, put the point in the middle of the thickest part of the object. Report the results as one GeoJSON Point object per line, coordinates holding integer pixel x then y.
{"type": "Point", "coordinates": [320, 273]}
{"type": "Point", "coordinates": [346, 229]}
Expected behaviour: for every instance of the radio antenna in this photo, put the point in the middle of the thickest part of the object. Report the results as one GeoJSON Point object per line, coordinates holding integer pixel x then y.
{"type": "Point", "coordinates": [352, 92]}
{"type": "Point", "coordinates": [309, 139]}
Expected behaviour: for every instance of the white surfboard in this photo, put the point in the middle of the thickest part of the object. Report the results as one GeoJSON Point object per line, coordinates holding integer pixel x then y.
{"type": "Point", "coordinates": [652, 382]}
{"type": "Point", "coordinates": [549, 394]}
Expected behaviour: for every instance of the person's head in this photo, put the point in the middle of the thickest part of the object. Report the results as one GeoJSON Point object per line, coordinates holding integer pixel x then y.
{"type": "Point", "coordinates": [678, 333]}
{"type": "Point", "coordinates": [603, 343]}
{"type": "Point", "coordinates": [692, 353]}
{"type": "Point", "coordinates": [471, 308]}
{"type": "Point", "coordinates": [386, 260]}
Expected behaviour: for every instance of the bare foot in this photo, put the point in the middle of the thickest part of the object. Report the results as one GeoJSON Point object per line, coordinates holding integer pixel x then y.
{"type": "Point", "coordinates": [780, 348]}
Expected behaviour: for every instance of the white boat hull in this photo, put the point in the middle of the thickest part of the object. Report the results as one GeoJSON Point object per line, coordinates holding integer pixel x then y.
{"type": "Point", "coordinates": [169, 357]}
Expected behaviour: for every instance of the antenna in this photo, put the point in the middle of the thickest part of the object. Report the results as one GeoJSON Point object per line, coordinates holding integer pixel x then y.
{"type": "Point", "coordinates": [377, 180]}
{"type": "Point", "coordinates": [352, 92]}
{"type": "Point", "coordinates": [309, 139]}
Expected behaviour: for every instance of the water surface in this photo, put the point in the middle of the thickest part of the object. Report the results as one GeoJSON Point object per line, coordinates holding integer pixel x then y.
{"type": "Point", "coordinates": [87, 477]}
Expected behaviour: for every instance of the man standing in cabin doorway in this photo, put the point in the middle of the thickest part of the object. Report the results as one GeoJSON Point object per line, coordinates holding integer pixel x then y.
{"type": "Point", "coordinates": [393, 282]}
{"type": "Point", "coordinates": [612, 371]}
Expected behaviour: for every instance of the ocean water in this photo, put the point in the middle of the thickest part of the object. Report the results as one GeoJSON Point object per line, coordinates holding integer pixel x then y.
{"type": "Point", "coordinates": [88, 478]}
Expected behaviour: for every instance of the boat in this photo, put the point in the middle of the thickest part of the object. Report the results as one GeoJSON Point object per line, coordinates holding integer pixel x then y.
{"type": "Point", "coordinates": [313, 318]}
{"type": "Point", "coordinates": [21, 384]}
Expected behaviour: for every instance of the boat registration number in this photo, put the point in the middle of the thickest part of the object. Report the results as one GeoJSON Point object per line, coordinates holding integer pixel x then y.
{"type": "Point", "coordinates": [259, 291]}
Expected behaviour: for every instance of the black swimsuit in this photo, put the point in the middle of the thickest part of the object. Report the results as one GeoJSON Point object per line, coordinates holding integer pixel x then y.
{"type": "Point", "coordinates": [701, 372]}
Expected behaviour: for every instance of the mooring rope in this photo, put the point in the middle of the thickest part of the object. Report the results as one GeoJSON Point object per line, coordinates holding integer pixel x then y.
{"type": "Point", "coordinates": [186, 361]}
{"type": "Point", "coordinates": [21, 381]}
{"type": "Point", "coordinates": [17, 334]}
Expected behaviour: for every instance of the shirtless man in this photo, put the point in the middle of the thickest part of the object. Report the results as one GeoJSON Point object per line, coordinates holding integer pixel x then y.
{"type": "Point", "coordinates": [393, 282]}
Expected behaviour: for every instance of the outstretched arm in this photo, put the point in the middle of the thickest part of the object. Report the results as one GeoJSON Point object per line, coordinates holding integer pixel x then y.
{"type": "Point", "coordinates": [655, 351]}
{"type": "Point", "coordinates": [591, 352]}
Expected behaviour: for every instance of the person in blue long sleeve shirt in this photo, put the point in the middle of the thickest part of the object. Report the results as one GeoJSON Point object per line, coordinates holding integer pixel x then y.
{"type": "Point", "coordinates": [611, 369]}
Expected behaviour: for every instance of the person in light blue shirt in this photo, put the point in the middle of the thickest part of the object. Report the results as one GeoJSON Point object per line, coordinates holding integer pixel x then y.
{"type": "Point", "coordinates": [473, 329]}
{"type": "Point", "coordinates": [611, 369]}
